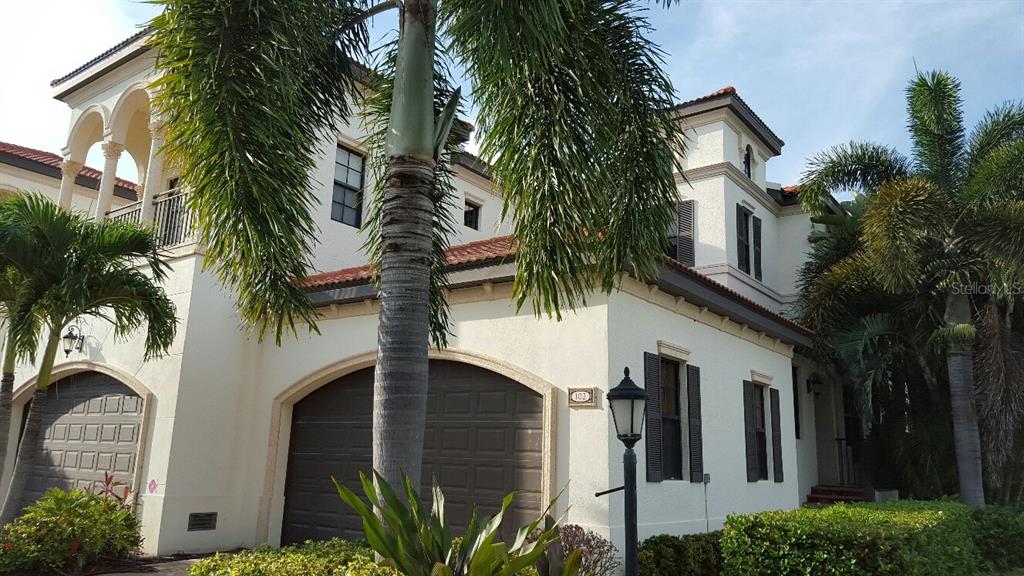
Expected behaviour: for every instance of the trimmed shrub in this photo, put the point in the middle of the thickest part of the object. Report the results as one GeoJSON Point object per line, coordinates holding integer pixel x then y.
{"type": "Point", "coordinates": [999, 536]}
{"type": "Point", "coordinates": [886, 539]}
{"type": "Point", "coordinates": [690, 555]}
{"type": "Point", "coordinates": [599, 556]}
{"type": "Point", "coordinates": [67, 532]}
{"type": "Point", "coordinates": [335, 557]}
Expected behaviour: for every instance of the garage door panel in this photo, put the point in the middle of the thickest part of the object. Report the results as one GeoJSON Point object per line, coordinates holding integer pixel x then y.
{"type": "Point", "coordinates": [482, 440]}
{"type": "Point", "coordinates": [90, 424]}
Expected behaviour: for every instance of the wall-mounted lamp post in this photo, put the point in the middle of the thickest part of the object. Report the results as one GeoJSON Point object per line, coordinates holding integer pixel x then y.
{"type": "Point", "coordinates": [628, 403]}
{"type": "Point", "coordinates": [73, 340]}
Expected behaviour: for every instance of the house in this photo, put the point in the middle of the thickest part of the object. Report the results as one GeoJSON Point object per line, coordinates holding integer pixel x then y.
{"type": "Point", "coordinates": [231, 442]}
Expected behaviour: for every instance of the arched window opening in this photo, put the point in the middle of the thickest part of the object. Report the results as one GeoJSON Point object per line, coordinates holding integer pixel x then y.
{"type": "Point", "coordinates": [747, 161]}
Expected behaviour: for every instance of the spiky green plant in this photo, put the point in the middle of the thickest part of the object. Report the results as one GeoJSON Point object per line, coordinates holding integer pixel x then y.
{"type": "Point", "coordinates": [934, 228]}
{"type": "Point", "coordinates": [69, 267]}
{"type": "Point", "coordinates": [574, 116]}
{"type": "Point", "coordinates": [416, 540]}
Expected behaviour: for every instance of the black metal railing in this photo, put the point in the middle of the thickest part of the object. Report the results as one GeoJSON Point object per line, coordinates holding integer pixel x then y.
{"type": "Point", "coordinates": [172, 219]}
{"type": "Point", "coordinates": [849, 452]}
{"type": "Point", "coordinates": [131, 213]}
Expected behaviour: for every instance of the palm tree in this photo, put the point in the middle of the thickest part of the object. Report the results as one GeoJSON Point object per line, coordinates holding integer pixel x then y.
{"type": "Point", "coordinates": [937, 226]}
{"type": "Point", "coordinates": [10, 282]}
{"type": "Point", "coordinates": [72, 267]}
{"type": "Point", "coordinates": [574, 117]}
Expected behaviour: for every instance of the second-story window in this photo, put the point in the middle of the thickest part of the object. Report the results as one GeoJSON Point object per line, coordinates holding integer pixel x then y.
{"type": "Point", "coordinates": [748, 241]}
{"type": "Point", "coordinates": [471, 215]}
{"type": "Point", "coordinates": [347, 199]}
{"type": "Point", "coordinates": [748, 161]}
{"type": "Point", "coordinates": [743, 238]}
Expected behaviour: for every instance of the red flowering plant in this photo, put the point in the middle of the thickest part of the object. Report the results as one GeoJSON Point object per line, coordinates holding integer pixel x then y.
{"type": "Point", "coordinates": [68, 532]}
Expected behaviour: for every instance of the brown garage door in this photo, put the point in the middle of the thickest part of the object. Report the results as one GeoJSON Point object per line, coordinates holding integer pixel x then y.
{"type": "Point", "coordinates": [483, 440]}
{"type": "Point", "coordinates": [91, 425]}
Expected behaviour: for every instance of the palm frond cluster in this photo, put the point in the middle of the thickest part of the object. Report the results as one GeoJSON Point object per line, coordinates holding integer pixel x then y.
{"type": "Point", "coordinates": [922, 267]}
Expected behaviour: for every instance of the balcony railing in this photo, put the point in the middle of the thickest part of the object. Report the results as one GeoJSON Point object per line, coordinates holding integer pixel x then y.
{"type": "Point", "coordinates": [172, 219]}
{"type": "Point", "coordinates": [131, 213]}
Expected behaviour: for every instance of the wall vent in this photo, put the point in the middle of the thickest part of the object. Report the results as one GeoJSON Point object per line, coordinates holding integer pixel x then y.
{"type": "Point", "coordinates": [198, 521]}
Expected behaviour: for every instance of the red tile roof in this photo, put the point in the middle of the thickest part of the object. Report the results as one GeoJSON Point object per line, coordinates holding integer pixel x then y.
{"type": "Point", "coordinates": [474, 253]}
{"type": "Point", "coordinates": [791, 190]}
{"type": "Point", "coordinates": [54, 161]}
{"type": "Point", "coordinates": [496, 249]}
{"type": "Point", "coordinates": [737, 101]}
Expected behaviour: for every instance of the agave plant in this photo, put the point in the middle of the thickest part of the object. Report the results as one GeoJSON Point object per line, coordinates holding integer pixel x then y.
{"type": "Point", "coordinates": [416, 539]}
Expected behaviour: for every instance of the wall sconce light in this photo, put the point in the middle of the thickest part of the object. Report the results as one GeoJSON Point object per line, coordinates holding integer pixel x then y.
{"type": "Point", "coordinates": [74, 339]}
{"type": "Point", "coordinates": [814, 385]}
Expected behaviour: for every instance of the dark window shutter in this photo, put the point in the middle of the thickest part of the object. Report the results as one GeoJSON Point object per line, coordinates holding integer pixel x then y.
{"type": "Point", "coordinates": [776, 435]}
{"type": "Point", "coordinates": [756, 224]}
{"type": "Point", "coordinates": [796, 402]}
{"type": "Point", "coordinates": [742, 239]}
{"type": "Point", "coordinates": [652, 381]}
{"type": "Point", "coordinates": [749, 436]}
{"type": "Point", "coordinates": [696, 432]}
{"type": "Point", "coordinates": [685, 246]}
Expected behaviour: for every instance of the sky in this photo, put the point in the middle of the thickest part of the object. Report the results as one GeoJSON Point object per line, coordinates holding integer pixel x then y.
{"type": "Point", "coordinates": [818, 73]}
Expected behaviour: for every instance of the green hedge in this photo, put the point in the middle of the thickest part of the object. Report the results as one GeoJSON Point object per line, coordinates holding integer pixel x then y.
{"type": "Point", "coordinates": [887, 539]}
{"type": "Point", "coordinates": [325, 558]}
{"type": "Point", "coordinates": [999, 536]}
{"type": "Point", "coordinates": [690, 555]}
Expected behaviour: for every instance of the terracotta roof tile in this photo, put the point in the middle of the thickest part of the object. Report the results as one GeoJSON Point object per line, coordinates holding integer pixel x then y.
{"type": "Point", "coordinates": [54, 161]}
{"type": "Point", "coordinates": [496, 249]}
{"type": "Point", "coordinates": [473, 253]}
{"type": "Point", "coordinates": [730, 91]}
{"type": "Point", "coordinates": [791, 190]}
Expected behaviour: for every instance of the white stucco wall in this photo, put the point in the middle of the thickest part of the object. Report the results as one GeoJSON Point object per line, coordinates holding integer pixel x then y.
{"type": "Point", "coordinates": [725, 361]}
{"type": "Point", "coordinates": [794, 227]}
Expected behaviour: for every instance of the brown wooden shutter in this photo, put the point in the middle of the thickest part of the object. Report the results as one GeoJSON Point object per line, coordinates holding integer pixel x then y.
{"type": "Point", "coordinates": [652, 382]}
{"type": "Point", "coordinates": [776, 434]}
{"type": "Point", "coordinates": [749, 435]}
{"type": "Point", "coordinates": [696, 429]}
{"type": "Point", "coordinates": [756, 224]}
{"type": "Point", "coordinates": [685, 245]}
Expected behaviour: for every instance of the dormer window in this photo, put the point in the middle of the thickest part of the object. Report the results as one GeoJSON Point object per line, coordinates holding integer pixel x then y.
{"type": "Point", "coordinates": [748, 159]}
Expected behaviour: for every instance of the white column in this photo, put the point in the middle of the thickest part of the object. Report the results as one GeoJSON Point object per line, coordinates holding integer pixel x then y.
{"type": "Point", "coordinates": [69, 170]}
{"type": "Point", "coordinates": [154, 172]}
{"type": "Point", "coordinates": [111, 153]}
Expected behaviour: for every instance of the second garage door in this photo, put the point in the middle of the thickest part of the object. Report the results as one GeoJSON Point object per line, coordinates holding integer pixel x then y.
{"type": "Point", "coordinates": [483, 440]}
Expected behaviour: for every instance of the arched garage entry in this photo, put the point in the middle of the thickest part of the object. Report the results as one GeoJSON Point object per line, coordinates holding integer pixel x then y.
{"type": "Point", "coordinates": [484, 438]}
{"type": "Point", "coordinates": [91, 426]}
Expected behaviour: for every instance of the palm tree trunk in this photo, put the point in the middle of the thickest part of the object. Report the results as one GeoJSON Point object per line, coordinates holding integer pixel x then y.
{"type": "Point", "coordinates": [28, 446]}
{"type": "Point", "coordinates": [407, 209]}
{"type": "Point", "coordinates": [966, 438]}
{"type": "Point", "coordinates": [6, 398]}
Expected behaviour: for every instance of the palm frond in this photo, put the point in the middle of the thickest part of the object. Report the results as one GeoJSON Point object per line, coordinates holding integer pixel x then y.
{"type": "Point", "coordinates": [998, 177]}
{"type": "Point", "coordinates": [856, 166]}
{"type": "Point", "coordinates": [248, 92]}
{"type": "Point", "coordinates": [936, 126]}
{"type": "Point", "coordinates": [574, 151]}
{"type": "Point", "coordinates": [901, 219]}
{"type": "Point", "coordinates": [1000, 126]}
{"type": "Point", "coordinates": [375, 116]}
{"type": "Point", "coordinates": [998, 232]}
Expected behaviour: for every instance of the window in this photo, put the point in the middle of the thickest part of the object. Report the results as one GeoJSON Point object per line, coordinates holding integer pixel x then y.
{"type": "Point", "coordinates": [347, 201]}
{"type": "Point", "coordinates": [760, 433]}
{"type": "Point", "coordinates": [674, 432]}
{"type": "Point", "coordinates": [748, 241]}
{"type": "Point", "coordinates": [671, 421]}
{"type": "Point", "coordinates": [747, 162]}
{"type": "Point", "coordinates": [681, 245]}
{"type": "Point", "coordinates": [796, 401]}
{"type": "Point", "coordinates": [743, 237]}
{"type": "Point", "coordinates": [471, 215]}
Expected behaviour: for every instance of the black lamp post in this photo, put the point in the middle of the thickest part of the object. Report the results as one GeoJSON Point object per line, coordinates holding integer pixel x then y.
{"type": "Point", "coordinates": [628, 402]}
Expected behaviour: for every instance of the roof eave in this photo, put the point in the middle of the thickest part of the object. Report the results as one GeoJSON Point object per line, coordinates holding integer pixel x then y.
{"type": "Point", "coordinates": [101, 65]}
